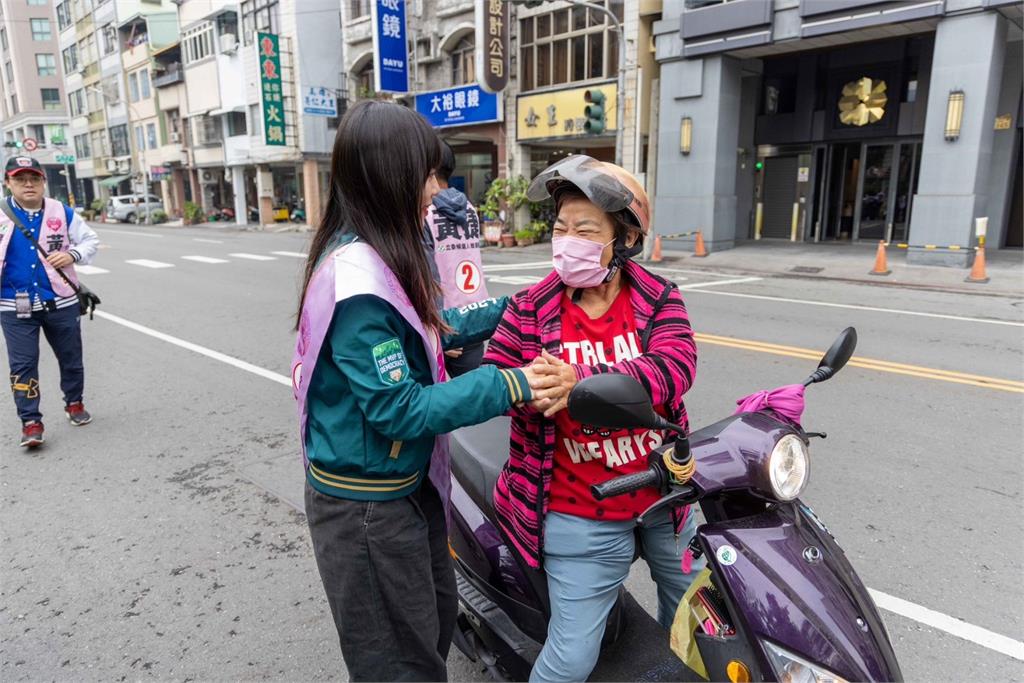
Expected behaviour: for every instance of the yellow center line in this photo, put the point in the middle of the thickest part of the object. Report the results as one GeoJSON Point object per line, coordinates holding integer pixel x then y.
{"type": "Point", "coordinates": [982, 381]}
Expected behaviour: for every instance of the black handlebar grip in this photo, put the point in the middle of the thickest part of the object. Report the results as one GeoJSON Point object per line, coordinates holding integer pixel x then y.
{"type": "Point", "coordinates": [626, 483]}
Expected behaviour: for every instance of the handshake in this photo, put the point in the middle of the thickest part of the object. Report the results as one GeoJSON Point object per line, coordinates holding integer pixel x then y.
{"type": "Point", "coordinates": [551, 379]}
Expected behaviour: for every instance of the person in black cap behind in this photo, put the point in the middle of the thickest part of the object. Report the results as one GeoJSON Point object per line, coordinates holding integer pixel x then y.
{"type": "Point", "coordinates": [33, 295]}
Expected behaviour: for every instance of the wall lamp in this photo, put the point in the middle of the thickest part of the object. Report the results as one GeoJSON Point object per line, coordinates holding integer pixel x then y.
{"type": "Point", "coordinates": [954, 115]}
{"type": "Point", "coordinates": [686, 135]}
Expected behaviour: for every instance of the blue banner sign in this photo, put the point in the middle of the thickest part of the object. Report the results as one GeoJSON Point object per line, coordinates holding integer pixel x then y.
{"type": "Point", "coordinates": [460, 106]}
{"type": "Point", "coordinates": [390, 54]}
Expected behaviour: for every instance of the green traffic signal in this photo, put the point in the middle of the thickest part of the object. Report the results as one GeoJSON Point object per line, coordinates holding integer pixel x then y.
{"type": "Point", "coordinates": [759, 165]}
{"type": "Point", "coordinates": [597, 120]}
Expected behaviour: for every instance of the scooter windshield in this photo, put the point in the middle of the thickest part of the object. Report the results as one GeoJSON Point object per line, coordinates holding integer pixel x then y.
{"type": "Point", "coordinates": [590, 176]}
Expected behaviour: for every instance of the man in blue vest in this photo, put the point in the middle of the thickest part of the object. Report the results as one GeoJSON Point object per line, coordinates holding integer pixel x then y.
{"type": "Point", "coordinates": [34, 297]}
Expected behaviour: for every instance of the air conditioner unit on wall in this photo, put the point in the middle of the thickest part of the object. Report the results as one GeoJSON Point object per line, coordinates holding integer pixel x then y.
{"type": "Point", "coordinates": [175, 137]}
{"type": "Point", "coordinates": [228, 44]}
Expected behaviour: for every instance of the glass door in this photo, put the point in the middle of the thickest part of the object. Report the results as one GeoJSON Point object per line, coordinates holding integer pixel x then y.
{"type": "Point", "coordinates": [906, 186]}
{"type": "Point", "coordinates": [873, 207]}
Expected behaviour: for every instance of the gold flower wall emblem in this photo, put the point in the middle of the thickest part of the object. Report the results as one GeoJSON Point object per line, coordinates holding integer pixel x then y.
{"type": "Point", "coordinates": [863, 102]}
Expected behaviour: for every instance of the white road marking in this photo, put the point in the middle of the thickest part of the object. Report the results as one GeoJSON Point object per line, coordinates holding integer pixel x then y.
{"type": "Point", "coordinates": [146, 263]}
{"type": "Point", "coordinates": [515, 279]}
{"type": "Point", "coordinates": [670, 271]}
{"type": "Point", "coordinates": [928, 617]}
{"type": "Point", "coordinates": [951, 625]}
{"type": "Point", "coordinates": [874, 309]}
{"type": "Point", "coordinates": [294, 254]}
{"type": "Point", "coordinates": [500, 267]}
{"type": "Point", "coordinates": [204, 259]}
{"type": "Point", "coordinates": [202, 350]}
{"type": "Point", "coordinates": [716, 283]}
{"type": "Point", "coordinates": [90, 270]}
{"type": "Point", "coordinates": [128, 232]}
{"type": "Point", "coordinates": [200, 239]}
{"type": "Point", "coordinates": [254, 257]}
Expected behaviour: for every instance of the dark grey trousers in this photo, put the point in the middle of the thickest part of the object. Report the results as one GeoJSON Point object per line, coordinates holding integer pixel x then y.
{"type": "Point", "coordinates": [389, 582]}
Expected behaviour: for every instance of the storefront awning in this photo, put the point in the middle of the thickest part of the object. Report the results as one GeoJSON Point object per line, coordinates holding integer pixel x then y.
{"type": "Point", "coordinates": [114, 180]}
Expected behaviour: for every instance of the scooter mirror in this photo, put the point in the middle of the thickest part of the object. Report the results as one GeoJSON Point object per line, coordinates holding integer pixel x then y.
{"type": "Point", "coordinates": [612, 400]}
{"type": "Point", "coordinates": [835, 358]}
{"type": "Point", "coordinates": [841, 350]}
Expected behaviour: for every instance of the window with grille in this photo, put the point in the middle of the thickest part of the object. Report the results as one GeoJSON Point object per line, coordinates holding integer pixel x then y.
{"type": "Point", "coordinates": [463, 61]}
{"type": "Point", "coordinates": [260, 15]}
{"type": "Point", "coordinates": [83, 150]}
{"type": "Point", "coordinates": [70, 55]}
{"type": "Point", "coordinates": [568, 45]}
{"type": "Point", "coordinates": [358, 8]}
{"type": "Point", "coordinates": [119, 140]}
{"type": "Point", "coordinates": [197, 43]}
{"type": "Point", "coordinates": [76, 103]}
{"type": "Point", "coordinates": [63, 15]}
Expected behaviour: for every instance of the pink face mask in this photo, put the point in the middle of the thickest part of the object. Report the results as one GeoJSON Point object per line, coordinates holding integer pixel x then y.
{"type": "Point", "coordinates": [578, 261]}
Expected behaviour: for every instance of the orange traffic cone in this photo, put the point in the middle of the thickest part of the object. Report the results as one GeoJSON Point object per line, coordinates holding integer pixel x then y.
{"type": "Point", "coordinates": [656, 253]}
{"type": "Point", "coordinates": [698, 248]}
{"type": "Point", "coordinates": [881, 267]}
{"type": "Point", "coordinates": [978, 273]}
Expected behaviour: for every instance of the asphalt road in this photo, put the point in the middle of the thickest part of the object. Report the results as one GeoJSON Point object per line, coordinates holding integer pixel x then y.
{"type": "Point", "coordinates": [164, 540]}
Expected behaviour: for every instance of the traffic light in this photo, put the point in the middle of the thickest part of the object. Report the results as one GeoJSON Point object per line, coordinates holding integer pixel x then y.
{"type": "Point", "coordinates": [759, 165]}
{"type": "Point", "coordinates": [594, 111]}
{"type": "Point", "coordinates": [13, 143]}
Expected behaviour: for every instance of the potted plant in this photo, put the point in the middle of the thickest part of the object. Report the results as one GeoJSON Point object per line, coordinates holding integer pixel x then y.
{"type": "Point", "coordinates": [193, 213]}
{"type": "Point", "coordinates": [524, 237]}
{"type": "Point", "coordinates": [503, 199]}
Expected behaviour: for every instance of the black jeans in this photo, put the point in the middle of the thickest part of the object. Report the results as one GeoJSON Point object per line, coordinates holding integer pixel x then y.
{"type": "Point", "coordinates": [471, 358]}
{"type": "Point", "coordinates": [389, 582]}
{"type": "Point", "coordinates": [63, 331]}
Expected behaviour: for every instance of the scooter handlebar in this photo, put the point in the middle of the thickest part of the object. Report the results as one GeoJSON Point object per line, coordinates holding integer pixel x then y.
{"type": "Point", "coordinates": [618, 486]}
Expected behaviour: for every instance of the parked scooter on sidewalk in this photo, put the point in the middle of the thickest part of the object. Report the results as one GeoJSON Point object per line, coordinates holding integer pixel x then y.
{"type": "Point", "coordinates": [779, 600]}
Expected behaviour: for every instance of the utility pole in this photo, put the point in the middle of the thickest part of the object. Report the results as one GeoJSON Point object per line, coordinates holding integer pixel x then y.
{"type": "Point", "coordinates": [620, 95]}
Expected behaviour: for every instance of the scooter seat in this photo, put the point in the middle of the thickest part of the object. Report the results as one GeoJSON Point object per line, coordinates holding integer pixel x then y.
{"type": "Point", "coordinates": [478, 454]}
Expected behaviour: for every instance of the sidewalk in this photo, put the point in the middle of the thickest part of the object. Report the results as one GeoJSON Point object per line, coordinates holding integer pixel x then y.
{"type": "Point", "coordinates": [215, 225]}
{"type": "Point", "coordinates": [846, 262]}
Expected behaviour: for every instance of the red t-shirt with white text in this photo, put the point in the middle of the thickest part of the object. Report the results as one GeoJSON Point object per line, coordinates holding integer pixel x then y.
{"type": "Point", "coordinates": [586, 455]}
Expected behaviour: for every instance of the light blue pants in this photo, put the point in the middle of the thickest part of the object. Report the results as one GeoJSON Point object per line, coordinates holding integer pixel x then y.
{"type": "Point", "coordinates": [586, 562]}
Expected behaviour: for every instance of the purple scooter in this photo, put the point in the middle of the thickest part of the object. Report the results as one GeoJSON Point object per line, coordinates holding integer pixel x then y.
{"type": "Point", "coordinates": [787, 604]}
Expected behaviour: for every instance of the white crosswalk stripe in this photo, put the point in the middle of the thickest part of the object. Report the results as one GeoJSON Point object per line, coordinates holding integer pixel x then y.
{"type": "Point", "coordinates": [200, 239]}
{"type": "Point", "coordinates": [90, 270]}
{"type": "Point", "coordinates": [515, 279]}
{"type": "Point", "coordinates": [205, 259]}
{"type": "Point", "coordinates": [254, 257]}
{"type": "Point", "coordinates": [146, 263]}
{"type": "Point", "coordinates": [293, 254]}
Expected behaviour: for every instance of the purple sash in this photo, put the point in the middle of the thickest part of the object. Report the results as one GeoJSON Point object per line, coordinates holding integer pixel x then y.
{"type": "Point", "coordinates": [350, 270]}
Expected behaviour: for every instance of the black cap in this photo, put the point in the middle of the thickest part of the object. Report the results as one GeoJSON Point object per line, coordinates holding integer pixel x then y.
{"type": "Point", "coordinates": [19, 164]}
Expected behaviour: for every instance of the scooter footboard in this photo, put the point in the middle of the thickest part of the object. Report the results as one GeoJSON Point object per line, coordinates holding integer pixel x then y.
{"type": "Point", "coordinates": [785, 580]}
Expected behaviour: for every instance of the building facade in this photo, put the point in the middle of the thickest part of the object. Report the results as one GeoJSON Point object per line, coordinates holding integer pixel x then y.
{"type": "Point", "coordinates": [100, 103]}
{"type": "Point", "coordinates": [842, 120]}
{"type": "Point", "coordinates": [33, 116]}
{"type": "Point", "coordinates": [236, 158]}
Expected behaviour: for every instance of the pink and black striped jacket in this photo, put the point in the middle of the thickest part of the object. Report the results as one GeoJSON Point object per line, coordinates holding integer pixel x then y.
{"type": "Point", "coordinates": [532, 322]}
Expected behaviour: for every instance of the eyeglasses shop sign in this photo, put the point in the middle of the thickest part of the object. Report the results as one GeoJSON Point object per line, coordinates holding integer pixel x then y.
{"type": "Point", "coordinates": [390, 52]}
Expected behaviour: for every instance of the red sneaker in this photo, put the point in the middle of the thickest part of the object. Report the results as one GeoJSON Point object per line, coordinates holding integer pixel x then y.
{"type": "Point", "coordinates": [77, 414]}
{"type": "Point", "coordinates": [32, 434]}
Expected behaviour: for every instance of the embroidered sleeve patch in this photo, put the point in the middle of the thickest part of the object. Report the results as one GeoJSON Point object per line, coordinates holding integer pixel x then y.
{"type": "Point", "coordinates": [389, 358]}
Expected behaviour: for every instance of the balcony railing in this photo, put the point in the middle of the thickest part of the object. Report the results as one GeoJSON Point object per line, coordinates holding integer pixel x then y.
{"type": "Point", "coordinates": [171, 76]}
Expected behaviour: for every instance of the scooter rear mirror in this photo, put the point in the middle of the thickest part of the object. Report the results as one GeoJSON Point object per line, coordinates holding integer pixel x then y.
{"type": "Point", "coordinates": [836, 357]}
{"type": "Point", "coordinates": [612, 400]}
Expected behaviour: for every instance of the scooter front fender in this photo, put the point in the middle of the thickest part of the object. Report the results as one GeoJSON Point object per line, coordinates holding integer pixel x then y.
{"type": "Point", "coordinates": [789, 582]}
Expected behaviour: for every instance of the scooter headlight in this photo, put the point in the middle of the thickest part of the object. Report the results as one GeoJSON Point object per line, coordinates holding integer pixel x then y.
{"type": "Point", "coordinates": [788, 467]}
{"type": "Point", "coordinates": [792, 669]}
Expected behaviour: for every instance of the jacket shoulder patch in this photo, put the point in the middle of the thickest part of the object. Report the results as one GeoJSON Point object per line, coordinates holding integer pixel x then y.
{"type": "Point", "coordinates": [389, 358]}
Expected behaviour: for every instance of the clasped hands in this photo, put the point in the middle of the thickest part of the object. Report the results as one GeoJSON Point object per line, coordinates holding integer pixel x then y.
{"type": "Point", "coordinates": [551, 379]}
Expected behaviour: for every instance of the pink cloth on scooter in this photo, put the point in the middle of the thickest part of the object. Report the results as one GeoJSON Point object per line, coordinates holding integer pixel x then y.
{"type": "Point", "coordinates": [787, 401]}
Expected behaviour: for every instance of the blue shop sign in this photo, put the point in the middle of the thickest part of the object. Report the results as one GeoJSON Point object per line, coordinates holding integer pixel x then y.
{"type": "Point", "coordinates": [390, 52]}
{"type": "Point", "coordinates": [460, 106]}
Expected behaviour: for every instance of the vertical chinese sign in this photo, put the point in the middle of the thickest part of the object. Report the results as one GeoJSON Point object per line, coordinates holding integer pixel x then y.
{"type": "Point", "coordinates": [269, 53]}
{"type": "Point", "coordinates": [390, 46]}
{"type": "Point", "coordinates": [492, 53]}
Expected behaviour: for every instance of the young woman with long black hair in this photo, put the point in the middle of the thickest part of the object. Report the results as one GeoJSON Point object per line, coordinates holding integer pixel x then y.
{"type": "Point", "coordinates": [374, 406]}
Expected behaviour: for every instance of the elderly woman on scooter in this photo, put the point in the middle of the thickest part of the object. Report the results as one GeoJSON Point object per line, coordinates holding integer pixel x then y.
{"type": "Point", "coordinates": [598, 312]}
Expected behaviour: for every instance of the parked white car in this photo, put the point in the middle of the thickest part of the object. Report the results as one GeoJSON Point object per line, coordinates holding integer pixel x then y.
{"type": "Point", "coordinates": [132, 208]}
